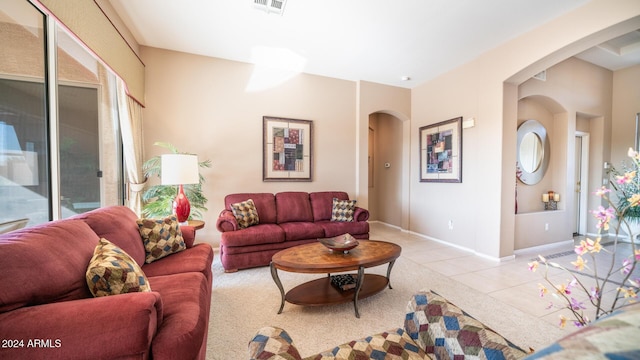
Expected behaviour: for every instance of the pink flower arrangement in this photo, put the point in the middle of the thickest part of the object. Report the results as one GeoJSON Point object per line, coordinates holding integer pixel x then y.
{"type": "Point", "coordinates": [626, 291]}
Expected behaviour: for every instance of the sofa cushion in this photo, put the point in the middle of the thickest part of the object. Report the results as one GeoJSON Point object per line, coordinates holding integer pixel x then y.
{"type": "Point", "coordinates": [335, 228]}
{"type": "Point", "coordinates": [108, 327]}
{"type": "Point", "coordinates": [265, 204]}
{"type": "Point", "coordinates": [59, 250]}
{"type": "Point", "coordinates": [343, 210]}
{"type": "Point", "coordinates": [253, 250]}
{"type": "Point", "coordinates": [161, 237]}
{"type": "Point", "coordinates": [301, 230]}
{"type": "Point", "coordinates": [443, 329]}
{"type": "Point", "coordinates": [322, 203]}
{"type": "Point", "coordinates": [257, 234]}
{"type": "Point", "coordinates": [112, 271]}
{"type": "Point", "coordinates": [196, 259]}
{"type": "Point", "coordinates": [293, 206]}
{"type": "Point", "coordinates": [611, 337]}
{"type": "Point", "coordinates": [118, 224]}
{"type": "Point", "coordinates": [245, 213]}
{"type": "Point", "coordinates": [186, 302]}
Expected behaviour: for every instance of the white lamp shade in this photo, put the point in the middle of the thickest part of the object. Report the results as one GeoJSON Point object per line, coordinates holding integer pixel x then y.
{"type": "Point", "coordinates": [177, 169]}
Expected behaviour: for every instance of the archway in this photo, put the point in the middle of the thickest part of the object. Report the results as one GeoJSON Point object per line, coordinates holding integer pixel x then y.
{"type": "Point", "coordinates": [389, 168]}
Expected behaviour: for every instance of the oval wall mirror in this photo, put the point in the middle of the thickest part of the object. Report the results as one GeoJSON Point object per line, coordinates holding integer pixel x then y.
{"type": "Point", "coordinates": [533, 152]}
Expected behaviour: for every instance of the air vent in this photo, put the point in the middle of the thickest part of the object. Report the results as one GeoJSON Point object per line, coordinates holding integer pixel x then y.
{"type": "Point", "coordinates": [270, 6]}
{"type": "Point", "coordinates": [542, 75]}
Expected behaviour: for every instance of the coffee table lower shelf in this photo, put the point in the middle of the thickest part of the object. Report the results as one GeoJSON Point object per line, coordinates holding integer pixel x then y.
{"type": "Point", "coordinates": [321, 292]}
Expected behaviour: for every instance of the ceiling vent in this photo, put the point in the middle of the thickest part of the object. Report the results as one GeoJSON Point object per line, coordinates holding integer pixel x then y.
{"type": "Point", "coordinates": [542, 75]}
{"type": "Point", "coordinates": [270, 6]}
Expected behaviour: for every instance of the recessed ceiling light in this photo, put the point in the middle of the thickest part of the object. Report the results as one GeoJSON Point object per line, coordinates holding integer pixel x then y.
{"type": "Point", "coordinates": [270, 6]}
{"type": "Point", "coordinates": [405, 78]}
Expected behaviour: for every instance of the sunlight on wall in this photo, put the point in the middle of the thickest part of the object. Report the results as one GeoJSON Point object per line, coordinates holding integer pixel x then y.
{"type": "Point", "coordinates": [273, 66]}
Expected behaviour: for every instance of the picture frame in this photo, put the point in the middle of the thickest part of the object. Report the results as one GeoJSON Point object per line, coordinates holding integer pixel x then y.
{"type": "Point", "coordinates": [441, 151]}
{"type": "Point", "coordinates": [287, 149]}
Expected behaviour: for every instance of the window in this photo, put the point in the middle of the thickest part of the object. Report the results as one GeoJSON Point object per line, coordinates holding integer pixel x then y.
{"type": "Point", "coordinates": [60, 148]}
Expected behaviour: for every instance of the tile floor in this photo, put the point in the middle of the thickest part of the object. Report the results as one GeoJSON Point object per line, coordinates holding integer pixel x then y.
{"type": "Point", "coordinates": [510, 281]}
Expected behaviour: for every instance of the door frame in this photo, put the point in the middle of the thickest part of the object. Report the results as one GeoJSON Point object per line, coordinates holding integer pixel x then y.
{"type": "Point", "coordinates": [584, 183]}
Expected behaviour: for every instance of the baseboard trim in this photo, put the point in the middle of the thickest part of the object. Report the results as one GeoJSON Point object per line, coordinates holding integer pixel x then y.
{"type": "Point", "coordinates": [544, 248]}
{"type": "Point", "coordinates": [472, 251]}
{"type": "Point", "coordinates": [390, 225]}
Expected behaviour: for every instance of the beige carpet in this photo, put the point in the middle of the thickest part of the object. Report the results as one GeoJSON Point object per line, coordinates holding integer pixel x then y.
{"type": "Point", "coordinates": [244, 301]}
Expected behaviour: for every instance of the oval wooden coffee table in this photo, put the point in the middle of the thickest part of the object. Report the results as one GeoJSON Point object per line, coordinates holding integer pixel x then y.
{"type": "Point", "coordinates": [315, 258]}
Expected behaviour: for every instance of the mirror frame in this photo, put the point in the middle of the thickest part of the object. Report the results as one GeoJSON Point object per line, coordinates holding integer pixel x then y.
{"type": "Point", "coordinates": [527, 127]}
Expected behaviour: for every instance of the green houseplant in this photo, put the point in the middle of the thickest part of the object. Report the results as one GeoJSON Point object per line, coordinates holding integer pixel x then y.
{"type": "Point", "coordinates": [158, 199]}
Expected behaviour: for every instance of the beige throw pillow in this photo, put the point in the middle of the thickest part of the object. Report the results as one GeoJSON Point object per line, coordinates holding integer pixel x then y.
{"type": "Point", "coordinates": [343, 210]}
{"type": "Point", "coordinates": [161, 237]}
{"type": "Point", "coordinates": [112, 271]}
{"type": "Point", "coordinates": [246, 213]}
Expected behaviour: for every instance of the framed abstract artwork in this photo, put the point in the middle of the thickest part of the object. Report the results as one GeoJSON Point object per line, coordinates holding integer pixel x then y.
{"type": "Point", "coordinates": [287, 149]}
{"type": "Point", "coordinates": [441, 152]}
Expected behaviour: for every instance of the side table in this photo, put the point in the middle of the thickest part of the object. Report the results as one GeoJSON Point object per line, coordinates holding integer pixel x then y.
{"type": "Point", "coordinates": [197, 224]}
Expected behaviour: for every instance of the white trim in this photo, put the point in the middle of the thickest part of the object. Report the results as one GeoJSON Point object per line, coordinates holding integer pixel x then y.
{"type": "Point", "coordinates": [460, 247]}
{"type": "Point", "coordinates": [389, 225]}
{"type": "Point", "coordinates": [584, 181]}
{"type": "Point", "coordinates": [52, 103]}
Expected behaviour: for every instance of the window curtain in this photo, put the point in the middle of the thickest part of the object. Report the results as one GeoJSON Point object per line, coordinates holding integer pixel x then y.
{"type": "Point", "coordinates": [130, 114]}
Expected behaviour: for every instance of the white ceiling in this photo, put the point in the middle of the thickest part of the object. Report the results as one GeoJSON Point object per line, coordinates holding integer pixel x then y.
{"type": "Point", "coordinates": [374, 40]}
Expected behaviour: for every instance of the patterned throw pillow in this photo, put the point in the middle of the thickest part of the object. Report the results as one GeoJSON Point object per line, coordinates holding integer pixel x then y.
{"type": "Point", "coordinates": [389, 345]}
{"type": "Point", "coordinates": [446, 331]}
{"type": "Point", "coordinates": [614, 336]}
{"type": "Point", "coordinates": [245, 213]}
{"type": "Point", "coordinates": [112, 271]}
{"type": "Point", "coordinates": [343, 210]}
{"type": "Point", "coordinates": [161, 237]}
{"type": "Point", "coordinates": [272, 343]}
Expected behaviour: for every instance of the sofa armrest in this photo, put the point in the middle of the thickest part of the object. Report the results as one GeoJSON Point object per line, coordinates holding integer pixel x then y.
{"type": "Point", "coordinates": [118, 326]}
{"type": "Point", "coordinates": [361, 214]}
{"type": "Point", "coordinates": [226, 221]}
{"type": "Point", "coordinates": [188, 234]}
{"type": "Point", "coordinates": [272, 343]}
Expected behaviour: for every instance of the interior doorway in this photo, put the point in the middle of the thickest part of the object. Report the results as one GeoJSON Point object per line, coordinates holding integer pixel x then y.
{"type": "Point", "coordinates": [581, 183]}
{"type": "Point", "coordinates": [386, 168]}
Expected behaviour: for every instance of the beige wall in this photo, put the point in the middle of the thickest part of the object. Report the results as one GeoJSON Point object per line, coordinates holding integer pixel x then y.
{"type": "Point", "coordinates": [626, 103]}
{"type": "Point", "coordinates": [200, 105]}
{"type": "Point", "coordinates": [375, 98]}
{"type": "Point", "coordinates": [574, 92]}
{"type": "Point", "coordinates": [482, 207]}
{"type": "Point", "coordinates": [433, 205]}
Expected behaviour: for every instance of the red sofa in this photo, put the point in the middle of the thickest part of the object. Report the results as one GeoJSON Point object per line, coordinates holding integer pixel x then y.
{"type": "Point", "coordinates": [48, 312]}
{"type": "Point", "coordinates": [286, 219]}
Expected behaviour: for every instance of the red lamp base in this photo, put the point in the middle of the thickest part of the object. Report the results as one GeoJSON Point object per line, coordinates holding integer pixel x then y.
{"type": "Point", "coordinates": [181, 206]}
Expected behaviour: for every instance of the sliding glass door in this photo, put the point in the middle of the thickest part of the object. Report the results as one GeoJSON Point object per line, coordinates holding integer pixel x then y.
{"type": "Point", "coordinates": [24, 157]}
{"type": "Point", "coordinates": [60, 147]}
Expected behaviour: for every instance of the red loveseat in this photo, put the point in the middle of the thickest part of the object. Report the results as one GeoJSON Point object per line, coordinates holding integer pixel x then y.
{"type": "Point", "coordinates": [286, 219]}
{"type": "Point", "coordinates": [48, 312]}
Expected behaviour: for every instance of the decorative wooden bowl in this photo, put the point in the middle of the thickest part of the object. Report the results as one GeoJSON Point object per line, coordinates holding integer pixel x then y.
{"type": "Point", "coordinates": [342, 243]}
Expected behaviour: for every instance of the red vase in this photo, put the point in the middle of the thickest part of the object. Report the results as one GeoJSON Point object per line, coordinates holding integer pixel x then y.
{"type": "Point", "coordinates": [181, 206]}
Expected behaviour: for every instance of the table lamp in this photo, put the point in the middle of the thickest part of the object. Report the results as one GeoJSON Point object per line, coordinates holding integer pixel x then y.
{"type": "Point", "coordinates": [180, 169]}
